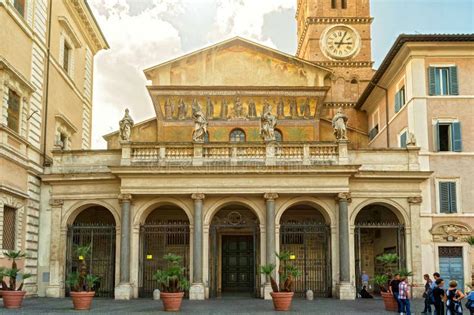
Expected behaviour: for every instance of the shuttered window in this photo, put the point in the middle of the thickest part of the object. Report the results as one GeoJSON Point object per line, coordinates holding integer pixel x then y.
{"type": "Point", "coordinates": [13, 112]}
{"type": "Point", "coordinates": [399, 99]}
{"type": "Point", "coordinates": [448, 137]}
{"type": "Point", "coordinates": [19, 6]}
{"type": "Point", "coordinates": [9, 227]}
{"type": "Point", "coordinates": [403, 140]}
{"type": "Point", "coordinates": [447, 197]}
{"type": "Point", "coordinates": [443, 81]}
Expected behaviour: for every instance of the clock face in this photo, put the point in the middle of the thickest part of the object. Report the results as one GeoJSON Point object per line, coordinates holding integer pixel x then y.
{"type": "Point", "coordinates": [341, 42]}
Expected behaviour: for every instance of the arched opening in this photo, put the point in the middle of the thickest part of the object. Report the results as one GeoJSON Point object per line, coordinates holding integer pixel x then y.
{"type": "Point", "coordinates": [237, 135]}
{"type": "Point", "coordinates": [94, 227]}
{"type": "Point", "coordinates": [278, 135]}
{"type": "Point", "coordinates": [305, 233]}
{"type": "Point", "coordinates": [378, 231]}
{"type": "Point", "coordinates": [234, 247]}
{"type": "Point", "coordinates": [165, 231]}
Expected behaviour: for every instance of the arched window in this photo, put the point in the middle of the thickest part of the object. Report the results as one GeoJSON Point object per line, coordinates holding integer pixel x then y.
{"type": "Point", "coordinates": [278, 135]}
{"type": "Point", "coordinates": [333, 4]}
{"type": "Point", "coordinates": [344, 4]}
{"type": "Point", "coordinates": [206, 137]}
{"type": "Point", "coordinates": [237, 135]}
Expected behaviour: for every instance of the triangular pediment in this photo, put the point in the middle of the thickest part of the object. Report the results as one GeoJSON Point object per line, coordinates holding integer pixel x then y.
{"type": "Point", "coordinates": [237, 62]}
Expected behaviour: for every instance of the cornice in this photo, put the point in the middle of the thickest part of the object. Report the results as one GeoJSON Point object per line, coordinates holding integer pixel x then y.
{"type": "Point", "coordinates": [346, 64]}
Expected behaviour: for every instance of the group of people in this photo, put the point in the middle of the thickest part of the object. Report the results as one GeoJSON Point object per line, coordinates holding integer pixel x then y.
{"type": "Point", "coordinates": [400, 289]}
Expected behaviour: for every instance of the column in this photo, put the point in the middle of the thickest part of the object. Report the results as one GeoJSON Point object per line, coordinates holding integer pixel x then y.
{"type": "Point", "coordinates": [413, 244]}
{"type": "Point", "coordinates": [196, 292]}
{"type": "Point", "coordinates": [55, 287]}
{"type": "Point", "coordinates": [346, 290]}
{"type": "Point", "coordinates": [124, 290]}
{"type": "Point", "coordinates": [270, 237]}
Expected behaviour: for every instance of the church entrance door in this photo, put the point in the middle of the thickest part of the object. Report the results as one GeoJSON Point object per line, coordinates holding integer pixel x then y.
{"type": "Point", "coordinates": [237, 263]}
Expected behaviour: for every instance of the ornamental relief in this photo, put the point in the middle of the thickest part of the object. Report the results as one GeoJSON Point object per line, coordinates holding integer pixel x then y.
{"type": "Point", "coordinates": [450, 232]}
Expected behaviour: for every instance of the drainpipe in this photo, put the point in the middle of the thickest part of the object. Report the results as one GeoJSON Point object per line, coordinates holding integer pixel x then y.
{"type": "Point", "coordinates": [386, 112]}
{"type": "Point", "coordinates": [46, 99]}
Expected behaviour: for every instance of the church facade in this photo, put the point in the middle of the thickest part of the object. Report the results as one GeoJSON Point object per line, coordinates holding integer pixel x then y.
{"type": "Point", "coordinates": [253, 151]}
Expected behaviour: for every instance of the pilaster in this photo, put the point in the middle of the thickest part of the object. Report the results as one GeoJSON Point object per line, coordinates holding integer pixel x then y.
{"type": "Point", "coordinates": [196, 292]}
{"type": "Point", "coordinates": [124, 290]}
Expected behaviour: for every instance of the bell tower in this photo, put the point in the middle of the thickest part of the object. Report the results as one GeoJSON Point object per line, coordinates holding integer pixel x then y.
{"type": "Point", "coordinates": [336, 34]}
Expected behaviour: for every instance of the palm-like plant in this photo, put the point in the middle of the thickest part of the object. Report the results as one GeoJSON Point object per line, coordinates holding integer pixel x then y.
{"type": "Point", "coordinates": [286, 271]}
{"type": "Point", "coordinates": [172, 279]}
{"type": "Point", "coordinates": [470, 240]}
{"type": "Point", "coordinates": [381, 281]}
{"type": "Point", "coordinates": [13, 273]}
{"type": "Point", "coordinates": [82, 280]}
{"type": "Point", "coordinates": [388, 259]}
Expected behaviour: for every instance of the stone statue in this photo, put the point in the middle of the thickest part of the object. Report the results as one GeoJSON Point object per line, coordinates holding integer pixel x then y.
{"type": "Point", "coordinates": [182, 109]}
{"type": "Point", "coordinates": [339, 122]}
{"type": "Point", "coordinates": [169, 109]}
{"type": "Point", "coordinates": [209, 108]}
{"type": "Point", "coordinates": [305, 109]}
{"type": "Point", "coordinates": [293, 109]}
{"type": "Point", "coordinates": [200, 123]}
{"type": "Point", "coordinates": [265, 106]}
{"type": "Point", "coordinates": [280, 109]}
{"type": "Point", "coordinates": [267, 123]}
{"type": "Point", "coordinates": [411, 139]}
{"type": "Point", "coordinates": [224, 109]}
{"type": "Point", "coordinates": [126, 125]}
{"type": "Point", "coordinates": [252, 109]}
{"type": "Point", "coordinates": [238, 108]}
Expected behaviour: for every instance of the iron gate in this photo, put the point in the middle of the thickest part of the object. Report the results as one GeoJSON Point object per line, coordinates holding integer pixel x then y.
{"type": "Point", "coordinates": [310, 245]}
{"type": "Point", "coordinates": [157, 240]}
{"type": "Point", "coordinates": [101, 261]}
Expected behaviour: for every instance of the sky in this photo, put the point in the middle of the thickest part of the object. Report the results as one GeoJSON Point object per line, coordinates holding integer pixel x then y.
{"type": "Point", "coordinates": [143, 33]}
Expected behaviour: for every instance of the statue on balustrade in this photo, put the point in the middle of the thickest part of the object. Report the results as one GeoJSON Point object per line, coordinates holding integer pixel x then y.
{"type": "Point", "coordinates": [126, 125]}
{"type": "Point", "coordinates": [209, 108]}
{"type": "Point", "coordinates": [293, 109]}
{"type": "Point", "coordinates": [238, 108]}
{"type": "Point", "coordinates": [200, 123]}
{"type": "Point", "coordinates": [268, 122]}
{"type": "Point", "coordinates": [305, 109]}
{"type": "Point", "coordinates": [252, 109]}
{"type": "Point", "coordinates": [182, 109]}
{"type": "Point", "coordinates": [224, 109]}
{"type": "Point", "coordinates": [339, 123]}
{"type": "Point", "coordinates": [169, 109]}
{"type": "Point", "coordinates": [280, 108]}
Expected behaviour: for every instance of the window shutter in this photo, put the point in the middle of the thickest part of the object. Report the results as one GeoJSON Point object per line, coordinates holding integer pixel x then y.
{"type": "Point", "coordinates": [397, 102]}
{"type": "Point", "coordinates": [444, 202]}
{"type": "Point", "coordinates": [403, 140]}
{"type": "Point", "coordinates": [456, 136]}
{"type": "Point", "coordinates": [436, 135]}
{"type": "Point", "coordinates": [432, 80]}
{"type": "Point", "coordinates": [61, 50]}
{"type": "Point", "coordinates": [452, 197]}
{"type": "Point", "coordinates": [453, 81]}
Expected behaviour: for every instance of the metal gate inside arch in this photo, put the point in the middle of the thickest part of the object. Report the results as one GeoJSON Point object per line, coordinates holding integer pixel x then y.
{"type": "Point", "coordinates": [308, 241]}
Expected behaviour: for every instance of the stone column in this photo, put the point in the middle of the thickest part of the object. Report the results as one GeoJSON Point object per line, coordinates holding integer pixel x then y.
{"type": "Point", "coordinates": [196, 292]}
{"type": "Point", "coordinates": [413, 248]}
{"type": "Point", "coordinates": [124, 290]}
{"type": "Point", "coordinates": [55, 287]}
{"type": "Point", "coordinates": [270, 238]}
{"type": "Point", "coordinates": [346, 290]}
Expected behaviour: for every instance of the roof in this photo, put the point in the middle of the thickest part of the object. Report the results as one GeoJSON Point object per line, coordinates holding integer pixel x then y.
{"type": "Point", "coordinates": [244, 41]}
{"type": "Point", "coordinates": [399, 42]}
{"type": "Point", "coordinates": [96, 24]}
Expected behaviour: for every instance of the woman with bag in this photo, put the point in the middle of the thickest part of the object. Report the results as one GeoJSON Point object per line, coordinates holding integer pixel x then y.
{"type": "Point", "coordinates": [470, 302]}
{"type": "Point", "coordinates": [454, 297]}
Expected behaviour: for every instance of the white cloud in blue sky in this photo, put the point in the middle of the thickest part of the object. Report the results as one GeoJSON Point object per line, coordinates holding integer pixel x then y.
{"type": "Point", "coordinates": [143, 33]}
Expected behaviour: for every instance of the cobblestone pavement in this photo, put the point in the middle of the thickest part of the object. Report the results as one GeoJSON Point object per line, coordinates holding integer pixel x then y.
{"type": "Point", "coordinates": [216, 306]}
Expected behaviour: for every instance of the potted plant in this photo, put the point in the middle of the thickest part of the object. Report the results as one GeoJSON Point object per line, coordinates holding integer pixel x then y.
{"type": "Point", "coordinates": [13, 293]}
{"type": "Point", "coordinates": [172, 283]}
{"type": "Point", "coordinates": [383, 281]}
{"type": "Point", "coordinates": [282, 294]}
{"type": "Point", "coordinates": [82, 283]}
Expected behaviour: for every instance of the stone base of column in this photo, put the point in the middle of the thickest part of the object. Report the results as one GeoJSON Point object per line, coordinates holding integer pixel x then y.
{"type": "Point", "coordinates": [55, 291]}
{"type": "Point", "coordinates": [196, 292]}
{"type": "Point", "coordinates": [123, 291]}
{"type": "Point", "coordinates": [345, 291]}
{"type": "Point", "coordinates": [267, 288]}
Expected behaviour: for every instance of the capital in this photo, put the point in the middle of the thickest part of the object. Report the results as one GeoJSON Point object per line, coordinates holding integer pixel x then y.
{"type": "Point", "coordinates": [198, 196]}
{"type": "Point", "coordinates": [56, 202]}
{"type": "Point", "coordinates": [125, 198]}
{"type": "Point", "coordinates": [415, 200]}
{"type": "Point", "coordinates": [344, 196]}
{"type": "Point", "coordinates": [270, 196]}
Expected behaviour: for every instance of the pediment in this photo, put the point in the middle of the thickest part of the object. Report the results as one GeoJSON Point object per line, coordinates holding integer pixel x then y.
{"type": "Point", "coordinates": [237, 62]}
{"type": "Point", "coordinates": [450, 231]}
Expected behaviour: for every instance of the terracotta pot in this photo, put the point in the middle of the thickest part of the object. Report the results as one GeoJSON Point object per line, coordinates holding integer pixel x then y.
{"type": "Point", "coordinates": [13, 299]}
{"type": "Point", "coordinates": [82, 300]}
{"type": "Point", "coordinates": [282, 300]}
{"type": "Point", "coordinates": [389, 301]}
{"type": "Point", "coordinates": [171, 301]}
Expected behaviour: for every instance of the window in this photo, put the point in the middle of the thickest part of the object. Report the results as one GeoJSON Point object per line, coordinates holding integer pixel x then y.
{"type": "Point", "coordinates": [66, 56]}
{"type": "Point", "coordinates": [402, 138]}
{"type": "Point", "coordinates": [9, 227]}
{"type": "Point", "coordinates": [344, 4]}
{"type": "Point", "coordinates": [399, 99]}
{"type": "Point", "coordinates": [448, 136]}
{"type": "Point", "coordinates": [375, 125]}
{"type": "Point", "coordinates": [237, 135]}
{"type": "Point", "coordinates": [13, 112]}
{"type": "Point", "coordinates": [447, 197]}
{"type": "Point", "coordinates": [19, 6]}
{"type": "Point", "coordinates": [278, 135]}
{"type": "Point", "coordinates": [333, 4]}
{"type": "Point", "coordinates": [443, 81]}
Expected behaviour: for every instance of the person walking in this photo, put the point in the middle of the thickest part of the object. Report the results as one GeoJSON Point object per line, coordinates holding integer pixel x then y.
{"type": "Point", "coordinates": [404, 296]}
{"type": "Point", "coordinates": [439, 297]}
{"type": "Point", "coordinates": [454, 297]}
{"type": "Point", "coordinates": [393, 288]}
{"type": "Point", "coordinates": [427, 294]}
{"type": "Point", "coordinates": [436, 276]}
{"type": "Point", "coordinates": [365, 280]}
{"type": "Point", "coordinates": [470, 302]}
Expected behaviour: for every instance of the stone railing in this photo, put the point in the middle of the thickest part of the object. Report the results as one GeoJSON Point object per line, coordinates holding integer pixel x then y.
{"type": "Point", "coordinates": [308, 153]}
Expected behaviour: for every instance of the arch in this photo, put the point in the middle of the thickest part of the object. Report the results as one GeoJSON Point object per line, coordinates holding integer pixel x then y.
{"type": "Point", "coordinates": [316, 203]}
{"type": "Point", "coordinates": [237, 135]}
{"type": "Point", "coordinates": [278, 135]}
{"type": "Point", "coordinates": [74, 210]}
{"type": "Point", "coordinates": [144, 210]}
{"type": "Point", "coordinates": [393, 206]}
{"type": "Point", "coordinates": [228, 201]}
